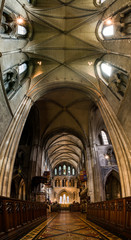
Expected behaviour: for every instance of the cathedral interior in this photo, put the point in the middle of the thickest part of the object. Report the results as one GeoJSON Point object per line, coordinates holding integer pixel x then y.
{"type": "Point", "coordinates": [65, 118]}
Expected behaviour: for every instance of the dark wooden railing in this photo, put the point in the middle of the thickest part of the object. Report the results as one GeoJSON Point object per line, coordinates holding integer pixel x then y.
{"type": "Point", "coordinates": [15, 214]}
{"type": "Point", "coordinates": [114, 215]}
{"type": "Point", "coordinates": [75, 207]}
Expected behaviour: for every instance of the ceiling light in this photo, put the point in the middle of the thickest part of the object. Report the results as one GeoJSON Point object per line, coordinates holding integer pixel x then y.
{"type": "Point", "coordinates": [89, 63]}
{"type": "Point", "coordinates": [20, 20]}
{"type": "Point", "coordinates": [39, 63]}
{"type": "Point", "coordinates": [106, 156]}
{"type": "Point", "coordinates": [109, 21]}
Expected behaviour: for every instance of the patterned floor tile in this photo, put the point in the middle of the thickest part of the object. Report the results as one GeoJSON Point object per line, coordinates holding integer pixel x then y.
{"type": "Point", "coordinates": [69, 226]}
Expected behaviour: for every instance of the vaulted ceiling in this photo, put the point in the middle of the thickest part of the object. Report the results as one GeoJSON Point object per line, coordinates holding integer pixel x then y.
{"type": "Point", "coordinates": [64, 85]}
{"type": "Point", "coordinates": [65, 41]}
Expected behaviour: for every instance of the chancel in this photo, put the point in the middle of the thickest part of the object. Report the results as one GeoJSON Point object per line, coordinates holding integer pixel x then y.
{"type": "Point", "coordinates": [65, 119]}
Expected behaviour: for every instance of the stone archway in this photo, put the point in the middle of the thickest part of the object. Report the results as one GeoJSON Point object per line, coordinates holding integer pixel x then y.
{"type": "Point", "coordinates": [64, 197]}
{"type": "Point", "coordinates": [112, 186]}
{"type": "Point", "coordinates": [119, 141]}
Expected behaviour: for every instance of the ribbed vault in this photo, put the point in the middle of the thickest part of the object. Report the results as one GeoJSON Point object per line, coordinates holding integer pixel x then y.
{"type": "Point", "coordinates": [65, 41]}
{"type": "Point", "coordinates": [64, 147]}
{"type": "Point", "coordinates": [64, 121]}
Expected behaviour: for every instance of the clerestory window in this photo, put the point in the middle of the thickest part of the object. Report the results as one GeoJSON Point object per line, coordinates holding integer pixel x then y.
{"type": "Point", "coordinates": [104, 138]}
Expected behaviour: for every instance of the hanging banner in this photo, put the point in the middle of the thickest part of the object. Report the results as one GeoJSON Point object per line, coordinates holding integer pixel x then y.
{"type": "Point", "coordinates": [83, 176]}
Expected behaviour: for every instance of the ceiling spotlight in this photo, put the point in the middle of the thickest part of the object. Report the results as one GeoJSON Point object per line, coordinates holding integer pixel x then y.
{"type": "Point", "coordinates": [106, 156]}
{"type": "Point", "coordinates": [90, 63]}
{"type": "Point", "coordinates": [39, 63]}
{"type": "Point", "coordinates": [20, 20]}
{"type": "Point", "coordinates": [109, 21]}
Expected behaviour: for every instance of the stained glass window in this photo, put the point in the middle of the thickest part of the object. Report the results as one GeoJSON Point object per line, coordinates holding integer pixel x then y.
{"type": "Point", "coordinates": [69, 170]}
{"type": "Point", "coordinates": [59, 170]}
{"type": "Point", "coordinates": [55, 171]}
{"type": "Point", "coordinates": [64, 198]}
{"type": "Point", "coordinates": [73, 171]}
{"type": "Point", "coordinates": [60, 199]}
{"type": "Point", "coordinates": [64, 170]}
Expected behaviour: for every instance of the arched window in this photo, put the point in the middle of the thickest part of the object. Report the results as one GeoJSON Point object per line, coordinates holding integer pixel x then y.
{"type": "Point", "coordinates": [22, 68]}
{"type": "Point", "coordinates": [69, 170]}
{"type": "Point", "coordinates": [64, 198]}
{"type": "Point", "coordinates": [108, 31]}
{"type": "Point", "coordinates": [104, 138]}
{"type": "Point", "coordinates": [64, 170]}
{"type": "Point", "coordinates": [55, 171]}
{"type": "Point", "coordinates": [117, 26]}
{"type": "Point", "coordinates": [21, 30]}
{"type": "Point", "coordinates": [115, 78]}
{"type": "Point", "coordinates": [59, 170]}
{"type": "Point", "coordinates": [60, 199]}
{"type": "Point", "coordinates": [106, 69]}
{"type": "Point", "coordinates": [99, 2]}
{"type": "Point", "coordinates": [13, 26]}
{"type": "Point", "coordinates": [73, 171]}
{"type": "Point", "coordinates": [67, 199]}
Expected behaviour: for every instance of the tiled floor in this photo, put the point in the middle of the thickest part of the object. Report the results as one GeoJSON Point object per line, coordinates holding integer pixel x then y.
{"type": "Point", "coordinates": [68, 226]}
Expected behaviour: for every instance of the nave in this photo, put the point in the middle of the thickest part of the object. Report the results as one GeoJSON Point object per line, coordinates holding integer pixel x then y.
{"type": "Point", "coordinates": [67, 225]}
{"type": "Point", "coordinates": [65, 118]}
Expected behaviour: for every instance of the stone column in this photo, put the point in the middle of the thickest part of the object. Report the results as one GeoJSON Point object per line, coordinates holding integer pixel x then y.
{"type": "Point", "coordinates": [10, 144]}
{"type": "Point", "coordinates": [89, 169]}
{"type": "Point", "coordinates": [75, 183]}
{"type": "Point", "coordinates": [60, 183]}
